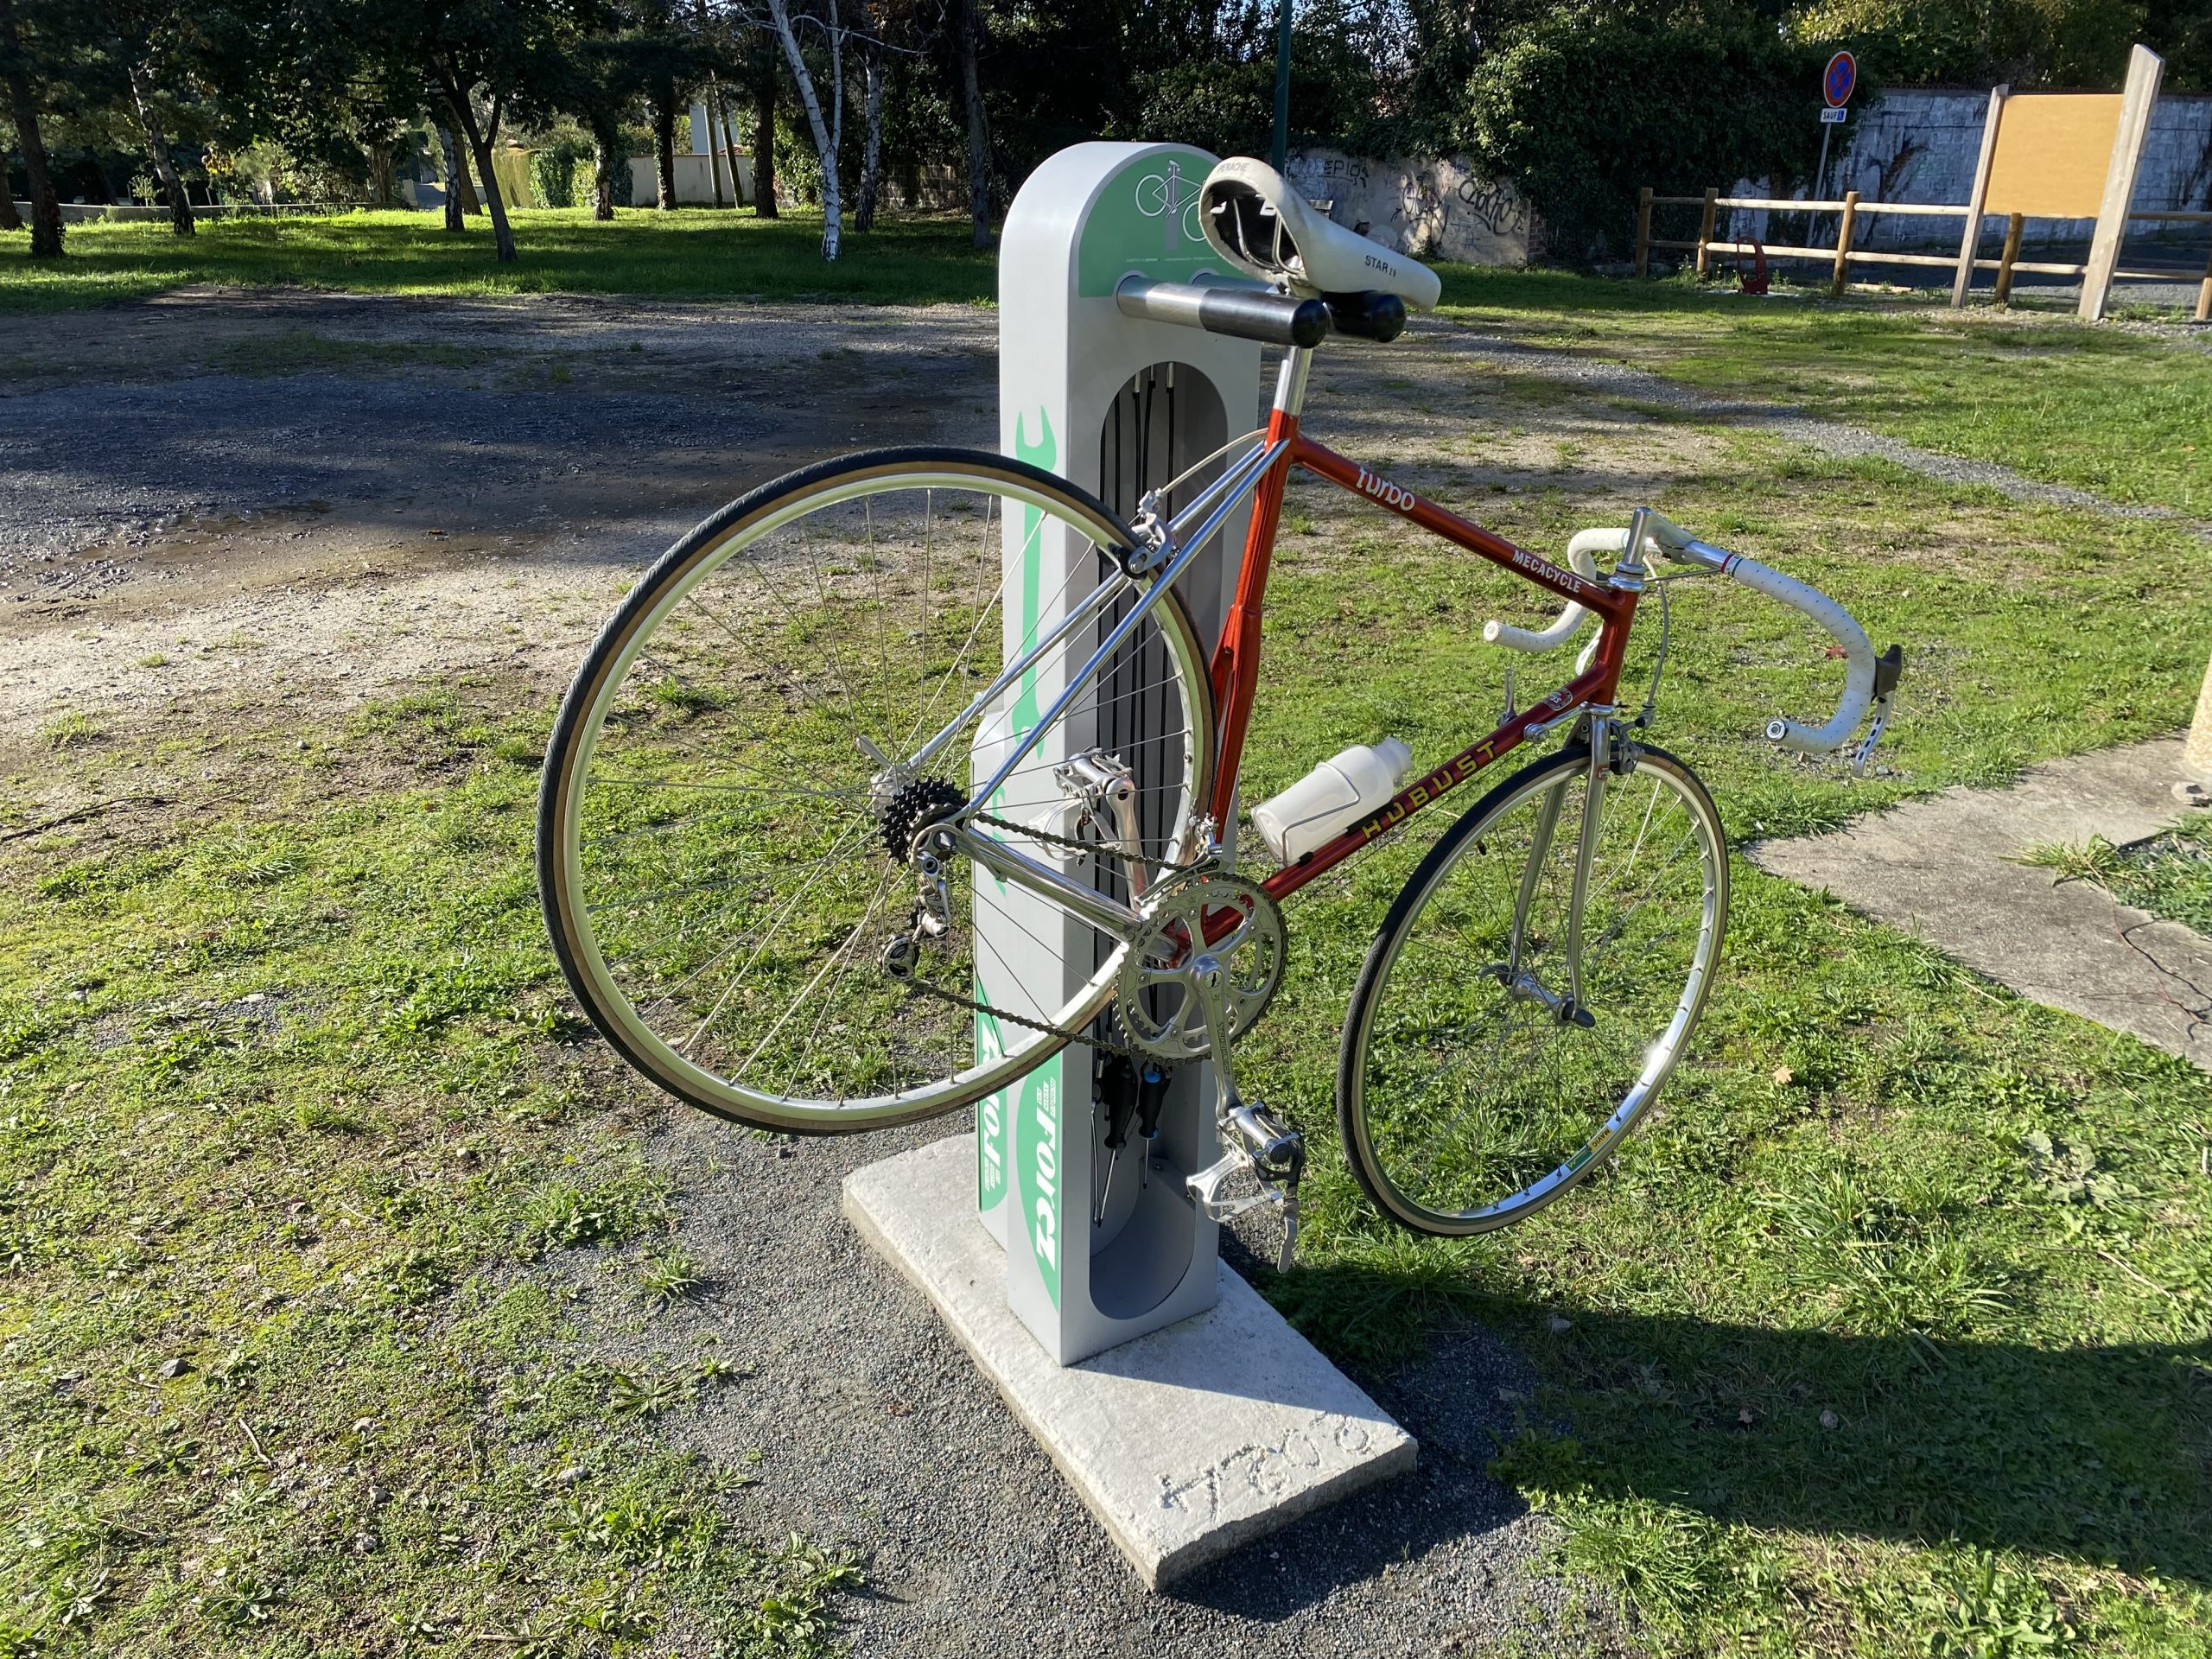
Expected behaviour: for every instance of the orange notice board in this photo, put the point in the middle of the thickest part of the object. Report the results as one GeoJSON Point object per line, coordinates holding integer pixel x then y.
{"type": "Point", "coordinates": [2053, 151]}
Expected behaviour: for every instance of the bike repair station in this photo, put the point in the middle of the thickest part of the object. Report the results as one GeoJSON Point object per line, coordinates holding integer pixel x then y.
{"type": "Point", "coordinates": [1072, 1243]}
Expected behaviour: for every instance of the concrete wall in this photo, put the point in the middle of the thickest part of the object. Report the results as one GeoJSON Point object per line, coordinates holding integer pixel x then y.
{"type": "Point", "coordinates": [694, 184]}
{"type": "Point", "coordinates": [1438, 209]}
{"type": "Point", "coordinates": [1921, 144]}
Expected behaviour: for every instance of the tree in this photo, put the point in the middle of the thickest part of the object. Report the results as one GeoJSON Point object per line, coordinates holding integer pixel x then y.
{"type": "Point", "coordinates": [459, 197]}
{"type": "Point", "coordinates": [2024, 42]}
{"type": "Point", "coordinates": [971, 44]}
{"type": "Point", "coordinates": [145, 39]}
{"type": "Point", "coordinates": [30, 39]}
{"type": "Point", "coordinates": [664, 102]}
{"type": "Point", "coordinates": [761, 61]}
{"type": "Point", "coordinates": [157, 145]}
{"type": "Point", "coordinates": [1719, 94]}
{"type": "Point", "coordinates": [828, 135]}
{"type": "Point", "coordinates": [324, 75]}
{"type": "Point", "coordinates": [872, 145]}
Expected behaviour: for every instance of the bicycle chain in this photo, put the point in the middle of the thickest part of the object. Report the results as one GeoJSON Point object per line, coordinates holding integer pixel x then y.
{"type": "Point", "coordinates": [1100, 1040]}
{"type": "Point", "coordinates": [1070, 842]}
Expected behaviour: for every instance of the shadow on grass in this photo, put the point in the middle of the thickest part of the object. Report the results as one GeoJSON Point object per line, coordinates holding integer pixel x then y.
{"type": "Point", "coordinates": [2099, 1454]}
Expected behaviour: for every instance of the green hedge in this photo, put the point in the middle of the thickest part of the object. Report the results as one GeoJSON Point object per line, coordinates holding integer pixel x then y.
{"type": "Point", "coordinates": [1583, 105]}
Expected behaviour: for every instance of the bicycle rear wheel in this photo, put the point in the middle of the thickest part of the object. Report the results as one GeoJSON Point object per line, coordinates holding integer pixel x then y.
{"type": "Point", "coordinates": [1473, 1088]}
{"type": "Point", "coordinates": [730, 795]}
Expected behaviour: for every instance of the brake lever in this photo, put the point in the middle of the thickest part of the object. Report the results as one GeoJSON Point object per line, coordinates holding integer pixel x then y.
{"type": "Point", "coordinates": [1889, 669]}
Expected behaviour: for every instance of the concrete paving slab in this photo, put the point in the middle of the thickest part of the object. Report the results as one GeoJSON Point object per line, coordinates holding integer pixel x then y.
{"type": "Point", "coordinates": [1186, 1443]}
{"type": "Point", "coordinates": [1944, 869]}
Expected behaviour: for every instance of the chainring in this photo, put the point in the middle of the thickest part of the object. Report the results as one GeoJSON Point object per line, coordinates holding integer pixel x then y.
{"type": "Point", "coordinates": [1159, 1009]}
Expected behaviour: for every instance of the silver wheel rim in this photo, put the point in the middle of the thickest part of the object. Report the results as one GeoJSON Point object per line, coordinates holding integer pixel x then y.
{"type": "Point", "coordinates": [1609, 1117]}
{"type": "Point", "coordinates": [1023, 1050]}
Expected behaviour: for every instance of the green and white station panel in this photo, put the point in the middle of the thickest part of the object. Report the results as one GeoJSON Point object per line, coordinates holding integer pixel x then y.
{"type": "Point", "coordinates": [1117, 405]}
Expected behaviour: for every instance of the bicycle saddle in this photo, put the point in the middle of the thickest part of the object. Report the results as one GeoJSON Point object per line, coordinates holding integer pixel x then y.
{"type": "Point", "coordinates": [1255, 220]}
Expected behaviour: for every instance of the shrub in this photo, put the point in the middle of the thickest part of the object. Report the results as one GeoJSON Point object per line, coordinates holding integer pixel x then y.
{"type": "Point", "coordinates": [553, 171]}
{"type": "Point", "coordinates": [1582, 105]}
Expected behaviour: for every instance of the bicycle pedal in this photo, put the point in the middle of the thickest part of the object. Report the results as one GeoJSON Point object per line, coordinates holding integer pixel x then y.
{"type": "Point", "coordinates": [1277, 1152]}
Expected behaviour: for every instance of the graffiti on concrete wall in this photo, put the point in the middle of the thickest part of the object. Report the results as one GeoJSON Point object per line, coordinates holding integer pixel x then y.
{"type": "Point", "coordinates": [1497, 208]}
{"type": "Point", "coordinates": [1437, 209]}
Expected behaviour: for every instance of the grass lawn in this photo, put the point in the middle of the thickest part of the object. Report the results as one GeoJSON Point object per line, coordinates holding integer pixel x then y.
{"type": "Point", "coordinates": [1886, 1335]}
{"type": "Point", "coordinates": [279, 1376]}
{"type": "Point", "coordinates": [2169, 876]}
{"type": "Point", "coordinates": [2102, 408]}
{"type": "Point", "coordinates": [690, 253]}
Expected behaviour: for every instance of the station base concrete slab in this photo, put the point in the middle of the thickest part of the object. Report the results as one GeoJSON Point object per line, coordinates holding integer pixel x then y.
{"type": "Point", "coordinates": [1186, 1443]}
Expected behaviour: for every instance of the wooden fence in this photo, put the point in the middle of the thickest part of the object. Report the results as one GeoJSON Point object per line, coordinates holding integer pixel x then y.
{"type": "Point", "coordinates": [1839, 257]}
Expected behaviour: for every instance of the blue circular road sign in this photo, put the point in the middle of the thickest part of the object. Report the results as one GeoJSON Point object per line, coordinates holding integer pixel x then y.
{"type": "Point", "coordinates": [1837, 80]}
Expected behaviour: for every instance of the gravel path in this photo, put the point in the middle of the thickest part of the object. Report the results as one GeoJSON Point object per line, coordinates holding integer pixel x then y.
{"type": "Point", "coordinates": [874, 1427]}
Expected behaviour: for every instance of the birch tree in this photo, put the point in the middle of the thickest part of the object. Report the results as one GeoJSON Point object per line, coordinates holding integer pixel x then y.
{"type": "Point", "coordinates": [872, 145]}
{"type": "Point", "coordinates": [828, 135]}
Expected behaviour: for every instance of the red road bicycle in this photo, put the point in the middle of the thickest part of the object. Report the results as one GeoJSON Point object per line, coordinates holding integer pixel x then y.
{"type": "Point", "coordinates": [816, 727]}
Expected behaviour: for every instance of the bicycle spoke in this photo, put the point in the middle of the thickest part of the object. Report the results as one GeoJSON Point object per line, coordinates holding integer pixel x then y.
{"type": "Point", "coordinates": [727, 853]}
{"type": "Point", "coordinates": [1484, 1091]}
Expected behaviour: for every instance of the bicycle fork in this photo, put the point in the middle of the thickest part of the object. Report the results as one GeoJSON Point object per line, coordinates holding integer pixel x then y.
{"type": "Point", "coordinates": [1607, 754]}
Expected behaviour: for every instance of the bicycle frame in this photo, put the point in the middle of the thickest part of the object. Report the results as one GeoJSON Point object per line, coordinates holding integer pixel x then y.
{"type": "Point", "coordinates": [1261, 475]}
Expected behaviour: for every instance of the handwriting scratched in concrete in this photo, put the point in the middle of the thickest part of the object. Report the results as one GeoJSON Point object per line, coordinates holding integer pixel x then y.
{"type": "Point", "coordinates": [1256, 1474]}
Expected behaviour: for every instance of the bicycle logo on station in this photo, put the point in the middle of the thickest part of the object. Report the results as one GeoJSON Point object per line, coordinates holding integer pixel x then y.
{"type": "Point", "coordinates": [1167, 197]}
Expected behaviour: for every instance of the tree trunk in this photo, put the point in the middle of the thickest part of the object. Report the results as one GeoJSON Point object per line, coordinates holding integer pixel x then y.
{"type": "Point", "coordinates": [383, 175]}
{"type": "Point", "coordinates": [725, 137]}
{"type": "Point", "coordinates": [141, 94]}
{"type": "Point", "coordinates": [665, 146]}
{"type": "Point", "coordinates": [606, 156]}
{"type": "Point", "coordinates": [825, 140]}
{"type": "Point", "coordinates": [481, 137]}
{"type": "Point", "coordinates": [10, 219]}
{"type": "Point", "coordinates": [503, 234]}
{"type": "Point", "coordinates": [712, 142]}
{"type": "Point", "coordinates": [450, 146]}
{"type": "Point", "coordinates": [872, 146]}
{"type": "Point", "coordinates": [979, 138]}
{"type": "Point", "coordinates": [457, 158]}
{"type": "Point", "coordinates": [46, 207]}
{"type": "Point", "coordinates": [764, 138]}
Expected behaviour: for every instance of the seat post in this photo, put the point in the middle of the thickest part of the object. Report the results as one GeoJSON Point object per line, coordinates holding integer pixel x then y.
{"type": "Point", "coordinates": [1290, 380]}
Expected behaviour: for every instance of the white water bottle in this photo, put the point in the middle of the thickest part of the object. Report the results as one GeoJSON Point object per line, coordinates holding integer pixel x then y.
{"type": "Point", "coordinates": [1330, 798]}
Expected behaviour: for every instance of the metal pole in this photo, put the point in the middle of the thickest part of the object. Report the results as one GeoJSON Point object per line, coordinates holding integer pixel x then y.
{"type": "Point", "coordinates": [2196, 787]}
{"type": "Point", "coordinates": [1280, 151]}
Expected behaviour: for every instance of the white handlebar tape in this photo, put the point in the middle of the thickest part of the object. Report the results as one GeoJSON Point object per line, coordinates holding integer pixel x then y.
{"type": "Point", "coordinates": [1858, 657]}
{"type": "Point", "coordinates": [1586, 543]}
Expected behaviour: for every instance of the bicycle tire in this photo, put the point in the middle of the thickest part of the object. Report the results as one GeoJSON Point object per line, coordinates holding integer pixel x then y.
{"type": "Point", "coordinates": [721, 538]}
{"type": "Point", "coordinates": [1385, 1146]}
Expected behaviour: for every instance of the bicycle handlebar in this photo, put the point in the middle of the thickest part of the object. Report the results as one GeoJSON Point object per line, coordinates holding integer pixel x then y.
{"type": "Point", "coordinates": [1868, 680]}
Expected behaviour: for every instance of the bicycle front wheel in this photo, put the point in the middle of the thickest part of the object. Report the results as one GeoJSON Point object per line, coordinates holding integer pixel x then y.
{"type": "Point", "coordinates": [1485, 1069]}
{"type": "Point", "coordinates": [738, 775]}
